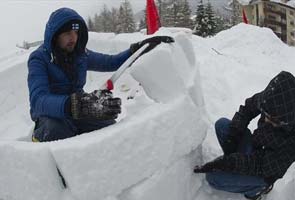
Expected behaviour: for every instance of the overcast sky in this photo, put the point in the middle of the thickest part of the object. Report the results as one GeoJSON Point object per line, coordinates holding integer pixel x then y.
{"type": "Point", "coordinates": [26, 19]}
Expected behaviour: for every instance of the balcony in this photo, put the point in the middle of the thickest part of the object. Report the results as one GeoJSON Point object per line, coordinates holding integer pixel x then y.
{"type": "Point", "coordinates": [274, 22]}
{"type": "Point", "coordinates": [273, 11]}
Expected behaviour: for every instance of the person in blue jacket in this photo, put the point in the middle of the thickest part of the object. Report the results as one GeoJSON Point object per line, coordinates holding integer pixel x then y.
{"type": "Point", "coordinates": [57, 73]}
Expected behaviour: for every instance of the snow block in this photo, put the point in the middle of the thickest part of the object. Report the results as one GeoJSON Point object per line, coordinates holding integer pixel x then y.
{"type": "Point", "coordinates": [174, 182]}
{"type": "Point", "coordinates": [106, 162]}
{"type": "Point", "coordinates": [166, 71]}
{"type": "Point", "coordinates": [28, 168]}
{"type": "Point", "coordinates": [185, 43]}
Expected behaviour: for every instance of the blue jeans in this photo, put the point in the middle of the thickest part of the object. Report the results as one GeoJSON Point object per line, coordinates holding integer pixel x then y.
{"type": "Point", "coordinates": [248, 185]}
{"type": "Point", "coordinates": [49, 129]}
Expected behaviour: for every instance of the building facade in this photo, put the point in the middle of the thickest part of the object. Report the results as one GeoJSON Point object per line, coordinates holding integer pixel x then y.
{"type": "Point", "coordinates": [279, 17]}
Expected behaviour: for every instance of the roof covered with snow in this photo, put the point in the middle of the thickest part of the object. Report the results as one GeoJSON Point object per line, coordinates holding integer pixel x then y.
{"type": "Point", "coordinates": [247, 2]}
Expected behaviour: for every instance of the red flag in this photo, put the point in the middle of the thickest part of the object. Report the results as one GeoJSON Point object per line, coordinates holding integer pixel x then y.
{"type": "Point", "coordinates": [152, 17]}
{"type": "Point", "coordinates": [245, 20]}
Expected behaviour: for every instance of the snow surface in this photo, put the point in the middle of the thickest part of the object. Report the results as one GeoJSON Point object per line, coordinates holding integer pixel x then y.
{"type": "Point", "coordinates": [180, 91]}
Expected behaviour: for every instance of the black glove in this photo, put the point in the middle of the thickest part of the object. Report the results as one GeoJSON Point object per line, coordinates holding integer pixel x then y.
{"type": "Point", "coordinates": [219, 164]}
{"type": "Point", "coordinates": [153, 42]}
{"type": "Point", "coordinates": [230, 145]}
{"type": "Point", "coordinates": [99, 104]}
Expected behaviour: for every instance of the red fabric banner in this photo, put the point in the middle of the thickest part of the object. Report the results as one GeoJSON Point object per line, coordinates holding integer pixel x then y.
{"type": "Point", "coordinates": [152, 17]}
{"type": "Point", "coordinates": [245, 20]}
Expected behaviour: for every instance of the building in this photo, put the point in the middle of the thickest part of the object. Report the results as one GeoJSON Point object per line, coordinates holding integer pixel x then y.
{"type": "Point", "coordinates": [278, 16]}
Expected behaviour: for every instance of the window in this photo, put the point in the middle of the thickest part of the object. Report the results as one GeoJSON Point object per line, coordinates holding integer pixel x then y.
{"type": "Point", "coordinates": [269, 6]}
{"type": "Point", "coordinates": [291, 12]}
{"type": "Point", "coordinates": [271, 17]}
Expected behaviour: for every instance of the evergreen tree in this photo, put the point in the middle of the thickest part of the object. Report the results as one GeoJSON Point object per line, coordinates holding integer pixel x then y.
{"type": "Point", "coordinates": [97, 24]}
{"type": "Point", "coordinates": [114, 20]}
{"type": "Point", "coordinates": [211, 23]}
{"type": "Point", "coordinates": [184, 15]}
{"type": "Point", "coordinates": [166, 11]}
{"type": "Point", "coordinates": [120, 27]}
{"type": "Point", "coordinates": [105, 19]}
{"type": "Point", "coordinates": [172, 12]}
{"type": "Point", "coordinates": [236, 13]}
{"type": "Point", "coordinates": [126, 22]}
{"type": "Point", "coordinates": [222, 23]}
{"type": "Point", "coordinates": [201, 21]}
{"type": "Point", "coordinates": [90, 24]}
{"type": "Point", "coordinates": [175, 13]}
{"type": "Point", "coordinates": [142, 24]}
{"type": "Point", "coordinates": [161, 9]}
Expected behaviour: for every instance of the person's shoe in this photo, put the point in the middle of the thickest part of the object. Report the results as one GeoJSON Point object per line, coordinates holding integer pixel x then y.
{"type": "Point", "coordinates": [258, 196]}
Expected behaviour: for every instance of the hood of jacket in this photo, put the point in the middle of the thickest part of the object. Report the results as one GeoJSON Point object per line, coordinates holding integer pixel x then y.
{"type": "Point", "coordinates": [278, 98]}
{"type": "Point", "coordinates": [56, 20]}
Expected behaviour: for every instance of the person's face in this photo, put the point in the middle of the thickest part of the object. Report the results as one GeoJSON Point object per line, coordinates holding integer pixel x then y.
{"type": "Point", "coordinates": [68, 40]}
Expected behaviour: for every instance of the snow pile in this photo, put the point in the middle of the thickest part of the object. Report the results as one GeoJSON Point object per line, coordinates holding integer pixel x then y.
{"type": "Point", "coordinates": [237, 63]}
{"type": "Point", "coordinates": [234, 65]}
{"type": "Point", "coordinates": [137, 158]}
{"type": "Point", "coordinates": [150, 152]}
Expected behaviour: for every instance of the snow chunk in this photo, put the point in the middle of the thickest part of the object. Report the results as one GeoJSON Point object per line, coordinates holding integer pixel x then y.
{"type": "Point", "coordinates": [27, 171]}
{"type": "Point", "coordinates": [170, 66]}
{"type": "Point", "coordinates": [106, 162]}
{"type": "Point", "coordinates": [174, 182]}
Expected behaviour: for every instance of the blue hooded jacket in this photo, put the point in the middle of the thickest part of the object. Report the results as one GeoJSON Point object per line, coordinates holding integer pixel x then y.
{"type": "Point", "coordinates": [49, 86]}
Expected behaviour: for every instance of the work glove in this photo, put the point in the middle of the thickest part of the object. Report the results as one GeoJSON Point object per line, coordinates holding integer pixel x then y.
{"type": "Point", "coordinates": [153, 42]}
{"type": "Point", "coordinates": [219, 164]}
{"type": "Point", "coordinates": [99, 105]}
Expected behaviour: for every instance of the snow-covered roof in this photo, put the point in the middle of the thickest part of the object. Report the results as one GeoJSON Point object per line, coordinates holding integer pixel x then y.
{"type": "Point", "coordinates": [247, 2]}
{"type": "Point", "coordinates": [244, 2]}
{"type": "Point", "coordinates": [291, 3]}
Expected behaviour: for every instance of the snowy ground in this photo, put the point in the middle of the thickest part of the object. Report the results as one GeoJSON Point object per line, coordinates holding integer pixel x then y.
{"type": "Point", "coordinates": [150, 152]}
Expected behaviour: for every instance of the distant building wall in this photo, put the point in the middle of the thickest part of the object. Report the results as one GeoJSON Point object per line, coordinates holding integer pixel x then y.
{"type": "Point", "coordinates": [277, 16]}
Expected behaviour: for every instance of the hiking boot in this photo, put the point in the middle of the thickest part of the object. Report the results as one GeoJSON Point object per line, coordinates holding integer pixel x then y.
{"type": "Point", "coordinates": [258, 196]}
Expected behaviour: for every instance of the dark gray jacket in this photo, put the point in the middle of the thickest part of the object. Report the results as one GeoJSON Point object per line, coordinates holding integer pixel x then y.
{"type": "Point", "coordinates": [274, 147]}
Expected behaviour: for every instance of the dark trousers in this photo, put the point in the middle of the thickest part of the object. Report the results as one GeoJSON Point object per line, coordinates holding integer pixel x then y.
{"type": "Point", "coordinates": [248, 185]}
{"type": "Point", "coordinates": [50, 129]}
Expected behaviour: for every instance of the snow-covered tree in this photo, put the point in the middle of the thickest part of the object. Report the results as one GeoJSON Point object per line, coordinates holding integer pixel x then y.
{"type": "Point", "coordinates": [114, 20]}
{"type": "Point", "coordinates": [184, 15]}
{"type": "Point", "coordinates": [97, 23]}
{"type": "Point", "coordinates": [103, 22]}
{"type": "Point", "coordinates": [175, 13]}
{"type": "Point", "coordinates": [105, 19]}
{"type": "Point", "coordinates": [126, 22]}
{"type": "Point", "coordinates": [201, 21]}
{"type": "Point", "coordinates": [236, 13]}
{"type": "Point", "coordinates": [222, 22]}
{"type": "Point", "coordinates": [211, 23]}
{"type": "Point", "coordinates": [142, 24]}
{"type": "Point", "coordinates": [206, 22]}
{"type": "Point", "coordinates": [90, 24]}
{"type": "Point", "coordinates": [166, 13]}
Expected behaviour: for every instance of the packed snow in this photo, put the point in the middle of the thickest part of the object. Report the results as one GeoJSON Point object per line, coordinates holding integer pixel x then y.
{"type": "Point", "coordinates": [178, 91]}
